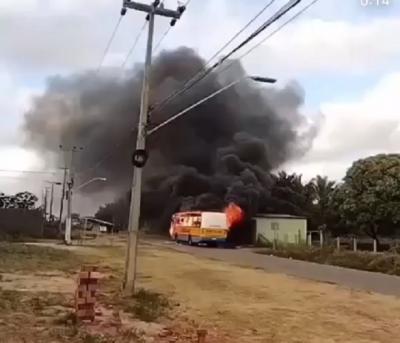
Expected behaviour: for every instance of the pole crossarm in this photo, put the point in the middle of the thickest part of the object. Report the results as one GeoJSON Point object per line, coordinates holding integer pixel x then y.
{"type": "Point", "coordinates": [150, 8]}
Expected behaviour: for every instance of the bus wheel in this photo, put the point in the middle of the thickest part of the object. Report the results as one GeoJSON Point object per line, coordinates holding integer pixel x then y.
{"type": "Point", "coordinates": [190, 242]}
{"type": "Point", "coordinates": [176, 238]}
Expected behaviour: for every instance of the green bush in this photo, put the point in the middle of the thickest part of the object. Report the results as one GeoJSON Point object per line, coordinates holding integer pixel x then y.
{"type": "Point", "coordinates": [387, 263]}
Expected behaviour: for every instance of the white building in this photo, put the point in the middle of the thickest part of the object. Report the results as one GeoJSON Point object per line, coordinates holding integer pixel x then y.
{"type": "Point", "coordinates": [280, 228]}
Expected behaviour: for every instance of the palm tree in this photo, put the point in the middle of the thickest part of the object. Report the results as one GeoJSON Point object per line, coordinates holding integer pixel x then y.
{"type": "Point", "coordinates": [322, 190]}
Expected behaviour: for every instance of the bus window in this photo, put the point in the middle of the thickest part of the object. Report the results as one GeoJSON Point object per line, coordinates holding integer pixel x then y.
{"type": "Point", "coordinates": [197, 221]}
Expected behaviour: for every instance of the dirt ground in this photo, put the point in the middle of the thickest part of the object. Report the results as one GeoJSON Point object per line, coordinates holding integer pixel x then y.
{"type": "Point", "coordinates": [234, 304]}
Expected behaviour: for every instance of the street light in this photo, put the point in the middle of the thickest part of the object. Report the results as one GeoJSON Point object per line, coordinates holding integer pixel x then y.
{"type": "Point", "coordinates": [68, 221]}
{"type": "Point", "coordinates": [229, 85]}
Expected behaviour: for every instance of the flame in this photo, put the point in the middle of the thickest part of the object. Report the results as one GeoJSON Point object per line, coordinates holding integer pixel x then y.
{"type": "Point", "coordinates": [234, 215]}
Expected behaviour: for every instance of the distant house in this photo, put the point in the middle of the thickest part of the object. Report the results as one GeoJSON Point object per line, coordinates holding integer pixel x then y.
{"type": "Point", "coordinates": [97, 225]}
{"type": "Point", "coordinates": [280, 228]}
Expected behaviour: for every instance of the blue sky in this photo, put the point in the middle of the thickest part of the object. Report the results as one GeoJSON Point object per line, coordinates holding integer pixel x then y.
{"type": "Point", "coordinates": [345, 56]}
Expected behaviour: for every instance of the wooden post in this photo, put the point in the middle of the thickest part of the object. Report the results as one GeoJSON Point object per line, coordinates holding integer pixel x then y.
{"type": "Point", "coordinates": [375, 246]}
{"type": "Point", "coordinates": [321, 238]}
{"type": "Point", "coordinates": [354, 244]}
{"type": "Point", "coordinates": [338, 243]}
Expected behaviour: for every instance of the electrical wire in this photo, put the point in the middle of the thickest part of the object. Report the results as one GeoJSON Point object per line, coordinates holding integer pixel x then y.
{"type": "Point", "coordinates": [204, 72]}
{"type": "Point", "coordinates": [237, 34]}
{"type": "Point", "coordinates": [109, 42]}
{"type": "Point", "coordinates": [232, 62]}
{"type": "Point", "coordinates": [106, 156]}
{"type": "Point", "coordinates": [162, 38]}
{"type": "Point", "coordinates": [27, 171]}
{"type": "Point", "coordinates": [187, 109]}
{"type": "Point", "coordinates": [279, 28]}
{"type": "Point", "coordinates": [135, 42]}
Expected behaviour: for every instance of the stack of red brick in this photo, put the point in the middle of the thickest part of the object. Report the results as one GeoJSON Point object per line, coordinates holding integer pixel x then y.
{"type": "Point", "coordinates": [85, 294]}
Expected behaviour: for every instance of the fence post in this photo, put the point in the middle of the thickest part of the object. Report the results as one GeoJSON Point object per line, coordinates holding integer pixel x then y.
{"type": "Point", "coordinates": [309, 239]}
{"type": "Point", "coordinates": [375, 246]}
{"type": "Point", "coordinates": [321, 238]}
{"type": "Point", "coordinates": [338, 243]}
{"type": "Point", "coordinates": [354, 244]}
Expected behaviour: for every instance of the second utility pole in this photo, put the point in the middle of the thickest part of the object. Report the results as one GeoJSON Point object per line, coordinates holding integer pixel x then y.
{"type": "Point", "coordinates": [134, 211]}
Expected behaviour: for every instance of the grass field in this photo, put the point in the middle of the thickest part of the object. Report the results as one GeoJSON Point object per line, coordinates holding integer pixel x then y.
{"type": "Point", "coordinates": [177, 294]}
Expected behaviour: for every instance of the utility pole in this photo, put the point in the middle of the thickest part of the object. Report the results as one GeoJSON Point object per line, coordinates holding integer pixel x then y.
{"type": "Point", "coordinates": [51, 201]}
{"type": "Point", "coordinates": [62, 199]}
{"type": "Point", "coordinates": [45, 203]}
{"type": "Point", "coordinates": [70, 183]}
{"type": "Point", "coordinates": [52, 197]}
{"type": "Point", "coordinates": [140, 153]}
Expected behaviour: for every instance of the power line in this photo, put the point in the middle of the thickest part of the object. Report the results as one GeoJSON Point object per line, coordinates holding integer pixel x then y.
{"type": "Point", "coordinates": [226, 67]}
{"type": "Point", "coordinates": [237, 34]}
{"type": "Point", "coordinates": [27, 171]}
{"type": "Point", "coordinates": [99, 162]}
{"type": "Point", "coordinates": [135, 42]}
{"type": "Point", "coordinates": [110, 41]}
{"type": "Point", "coordinates": [187, 109]}
{"type": "Point", "coordinates": [203, 73]}
{"type": "Point", "coordinates": [162, 38]}
{"type": "Point", "coordinates": [105, 157]}
{"type": "Point", "coordinates": [279, 28]}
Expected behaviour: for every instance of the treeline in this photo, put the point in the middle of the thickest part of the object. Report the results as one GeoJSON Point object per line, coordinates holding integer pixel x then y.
{"type": "Point", "coordinates": [25, 200]}
{"type": "Point", "coordinates": [366, 201]}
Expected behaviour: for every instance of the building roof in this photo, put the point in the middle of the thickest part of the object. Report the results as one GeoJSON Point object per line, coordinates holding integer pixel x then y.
{"type": "Point", "coordinates": [278, 216]}
{"type": "Point", "coordinates": [98, 221]}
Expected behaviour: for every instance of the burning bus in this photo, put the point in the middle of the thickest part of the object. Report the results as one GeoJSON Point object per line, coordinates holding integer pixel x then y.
{"type": "Point", "coordinates": [196, 227]}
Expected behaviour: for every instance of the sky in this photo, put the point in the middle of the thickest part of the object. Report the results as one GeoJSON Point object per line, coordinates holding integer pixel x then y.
{"type": "Point", "coordinates": [345, 56]}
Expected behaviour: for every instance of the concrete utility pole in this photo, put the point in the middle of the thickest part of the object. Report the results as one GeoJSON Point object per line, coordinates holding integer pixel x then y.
{"type": "Point", "coordinates": [140, 155]}
{"type": "Point", "coordinates": [45, 203]}
{"type": "Point", "coordinates": [52, 197]}
{"type": "Point", "coordinates": [62, 199]}
{"type": "Point", "coordinates": [68, 220]}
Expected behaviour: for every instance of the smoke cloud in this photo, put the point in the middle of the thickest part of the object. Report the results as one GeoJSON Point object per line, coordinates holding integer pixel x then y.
{"type": "Point", "coordinates": [221, 151]}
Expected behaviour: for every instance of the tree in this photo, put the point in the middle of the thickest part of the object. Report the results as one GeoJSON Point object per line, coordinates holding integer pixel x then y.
{"type": "Point", "coordinates": [369, 197]}
{"type": "Point", "coordinates": [289, 195]}
{"type": "Point", "coordinates": [322, 213]}
{"type": "Point", "coordinates": [24, 200]}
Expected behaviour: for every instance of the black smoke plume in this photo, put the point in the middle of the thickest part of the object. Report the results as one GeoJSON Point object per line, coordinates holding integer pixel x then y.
{"type": "Point", "coordinates": [221, 151]}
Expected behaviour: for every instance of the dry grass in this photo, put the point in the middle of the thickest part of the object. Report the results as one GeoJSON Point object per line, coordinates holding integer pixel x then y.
{"type": "Point", "coordinates": [183, 293]}
{"type": "Point", "coordinates": [21, 257]}
{"type": "Point", "coordinates": [255, 306]}
{"type": "Point", "coordinates": [147, 305]}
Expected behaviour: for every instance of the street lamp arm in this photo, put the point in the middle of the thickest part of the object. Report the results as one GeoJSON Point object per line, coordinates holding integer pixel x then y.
{"type": "Point", "coordinates": [187, 109]}
{"type": "Point", "coordinates": [90, 181]}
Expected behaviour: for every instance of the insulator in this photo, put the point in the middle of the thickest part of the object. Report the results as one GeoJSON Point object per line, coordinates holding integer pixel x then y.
{"type": "Point", "coordinates": [181, 9]}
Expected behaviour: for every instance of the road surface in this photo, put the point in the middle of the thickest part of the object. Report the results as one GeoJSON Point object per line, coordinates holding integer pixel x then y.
{"type": "Point", "coordinates": [351, 278]}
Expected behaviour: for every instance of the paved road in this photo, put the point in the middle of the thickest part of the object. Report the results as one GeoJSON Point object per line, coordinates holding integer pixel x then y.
{"type": "Point", "coordinates": [356, 279]}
